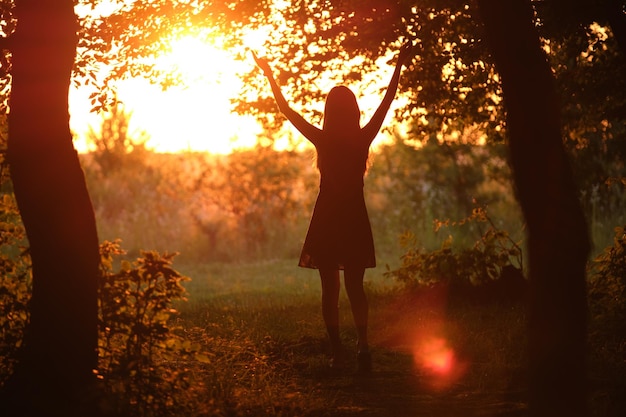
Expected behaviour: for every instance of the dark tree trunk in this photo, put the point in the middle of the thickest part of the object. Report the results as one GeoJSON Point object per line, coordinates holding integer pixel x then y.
{"type": "Point", "coordinates": [616, 16]}
{"type": "Point", "coordinates": [61, 340]}
{"type": "Point", "coordinates": [558, 241]}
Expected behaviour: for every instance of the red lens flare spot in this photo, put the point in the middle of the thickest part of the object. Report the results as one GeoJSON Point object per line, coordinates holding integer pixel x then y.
{"type": "Point", "coordinates": [439, 362]}
{"type": "Point", "coordinates": [436, 357]}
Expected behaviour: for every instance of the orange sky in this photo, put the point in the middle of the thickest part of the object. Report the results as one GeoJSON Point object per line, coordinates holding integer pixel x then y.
{"type": "Point", "coordinates": [197, 116]}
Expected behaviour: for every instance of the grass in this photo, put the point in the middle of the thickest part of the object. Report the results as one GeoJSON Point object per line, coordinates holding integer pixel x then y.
{"type": "Point", "coordinates": [261, 326]}
{"type": "Point", "coordinates": [434, 354]}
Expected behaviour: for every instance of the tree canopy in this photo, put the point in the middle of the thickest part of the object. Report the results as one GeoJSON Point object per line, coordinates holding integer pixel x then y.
{"type": "Point", "coordinates": [451, 82]}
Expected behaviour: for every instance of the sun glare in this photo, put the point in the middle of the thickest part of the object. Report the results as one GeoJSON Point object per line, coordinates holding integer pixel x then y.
{"type": "Point", "coordinates": [255, 39]}
{"type": "Point", "coordinates": [193, 115]}
{"type": "Point", "coordinates": [196, 60]}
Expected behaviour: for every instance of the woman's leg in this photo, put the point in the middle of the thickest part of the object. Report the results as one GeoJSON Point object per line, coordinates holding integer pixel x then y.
{"type": "Point", "coordinates": [360, 310]}
{"type": "Point", "coordinates": [358, 302]}
{"type": "Point", "coordinates": [330, 308]}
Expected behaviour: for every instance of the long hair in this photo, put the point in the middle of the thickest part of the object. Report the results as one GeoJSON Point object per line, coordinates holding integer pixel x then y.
{"type": "Point", "coordinates": [341, 111]}
{"type": "Point", "coordinates": [341, 123]}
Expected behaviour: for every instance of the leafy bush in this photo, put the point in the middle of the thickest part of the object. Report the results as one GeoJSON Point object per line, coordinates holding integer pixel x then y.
{"type": "Point", "coordinates": [607, 285]}
{"type": "Point", "coordinates": [142, 355]}
{"type": "Point", "coordinates": [494, 258]}
{"type": "Point", "coordinates": [144, 360]}
{"type": "Point", "coordinates": [15, 268]}
{"type": "Point", "coordinates": [15, 284]}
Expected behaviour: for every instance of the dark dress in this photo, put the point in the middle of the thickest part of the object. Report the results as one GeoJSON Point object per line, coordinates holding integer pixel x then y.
{"type": "Point", "coordinates": [340, 234]}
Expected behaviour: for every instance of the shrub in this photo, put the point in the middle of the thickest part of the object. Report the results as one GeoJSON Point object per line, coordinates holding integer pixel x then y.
{"type": "Point", "coordinates": [493, 259]}
{"type": "Point", "coordinates": [607, 285]}
{"type": "Point", "coordinates": [143, 360]}
{"type": "Point", "coordinates": [15, 284]}
{"type": "Point", "coordinates": [15, 269]}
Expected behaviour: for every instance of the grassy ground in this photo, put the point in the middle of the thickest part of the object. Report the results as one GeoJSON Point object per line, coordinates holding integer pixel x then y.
{"type": "Point", "coordinates": [261, 326]}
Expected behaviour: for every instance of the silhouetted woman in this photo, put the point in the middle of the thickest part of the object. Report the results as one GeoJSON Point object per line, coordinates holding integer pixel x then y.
{"type": "Point", "coordinates": [339, 235]}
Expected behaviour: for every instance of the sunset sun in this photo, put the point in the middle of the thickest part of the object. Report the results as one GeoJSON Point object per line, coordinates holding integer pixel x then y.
{"type": "Point", "coordinates": [196, 60]}
{"type": "Point", "coordinates": [192, 114]}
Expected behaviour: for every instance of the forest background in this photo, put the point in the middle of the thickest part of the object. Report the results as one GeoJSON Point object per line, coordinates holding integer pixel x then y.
{"type": "Point", "coordinates": [254, 204]}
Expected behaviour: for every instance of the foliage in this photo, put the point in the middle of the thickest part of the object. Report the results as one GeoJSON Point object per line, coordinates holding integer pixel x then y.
{"type": "Point", "coordinates": [227, 208]}
{"type": "Point", "coordinates": [607, 306]}
{"type": "Point", "coordinates": [412, 184]}
{"type": "Point", "coordinates": [264, 191]}
{"type": "Point", "coordinates": [7, 26]}
{"type": "Point", "coordinates": [494, 256]}
{"type": "Point", "coordinates": [248, 205]}
{"type": "Point", "coordinates": [144, 358]}
{"type": "Point", "coordinates": [238, 206]}
{"type": "Point", "coordinates": [114, 144]}
{"type": "Point", "coordinates": [607, 285]}
{"type": "Point", "coordinates": [128, 39]}
{"type": "Point", "coordinates": [451, 82]}
{"type": "Point", "coordinates": [123, 176]}
{"type": "Point", "coordinates": [138, 346]}
{"type": "Point", "coordinates": [15, 276]}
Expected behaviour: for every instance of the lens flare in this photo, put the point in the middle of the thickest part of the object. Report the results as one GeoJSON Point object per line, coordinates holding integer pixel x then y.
{"type": "Point", "coordinates": [436, 357]}
{"type": "Point", "coordinates": [438, 361]}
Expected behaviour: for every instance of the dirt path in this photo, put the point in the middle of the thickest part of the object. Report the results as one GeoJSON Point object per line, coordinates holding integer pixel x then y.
{"type": "Point", "coordinates": [395, 388]}
{"type": "Point", "coordinates": [489, 386]}
{"type": "Point", "coordinates": [393, 394]}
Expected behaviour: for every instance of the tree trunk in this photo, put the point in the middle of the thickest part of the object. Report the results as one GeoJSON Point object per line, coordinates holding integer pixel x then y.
{"type": "Point", "coordinates": [60, 350]}
{"type": "Point", "coordinates": [558, 241]}
{"type": "Point", "coordinates": [616, 16]}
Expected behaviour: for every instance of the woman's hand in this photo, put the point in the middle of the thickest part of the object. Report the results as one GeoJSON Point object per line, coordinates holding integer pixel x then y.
{"type": "Point", "coordinates": [262, 63]}
{"type": "Point", "coordinates": [405, 52]}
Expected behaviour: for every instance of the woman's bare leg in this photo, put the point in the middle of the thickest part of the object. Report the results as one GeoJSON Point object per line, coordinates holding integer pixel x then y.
{"type": "Point", "coordinates": [330, 308]}
{"type": "Point", "coordinates": [358, 302]}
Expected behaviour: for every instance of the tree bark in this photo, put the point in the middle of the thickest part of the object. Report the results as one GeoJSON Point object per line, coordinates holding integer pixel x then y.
{"type": "Point", "coordinates": [558, 241]}
{"type": "Point", "coordinates": [60, 350]}
{"type": "Point", "coordinates": [616, 17]}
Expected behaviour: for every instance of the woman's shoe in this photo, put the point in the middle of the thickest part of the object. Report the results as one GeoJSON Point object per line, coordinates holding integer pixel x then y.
{"type": "Point", "coordinates": [364, 361]}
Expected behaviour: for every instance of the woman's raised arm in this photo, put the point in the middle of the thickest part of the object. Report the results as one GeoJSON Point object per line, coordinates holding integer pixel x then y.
{"type": "Point", "coordinates": [373, 126]}
{"type": "Point", "coordinates": [309, 131]}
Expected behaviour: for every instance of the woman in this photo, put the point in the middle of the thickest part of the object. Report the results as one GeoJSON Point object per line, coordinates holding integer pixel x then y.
{"type": "Point", "coordinates": [339, 235]}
